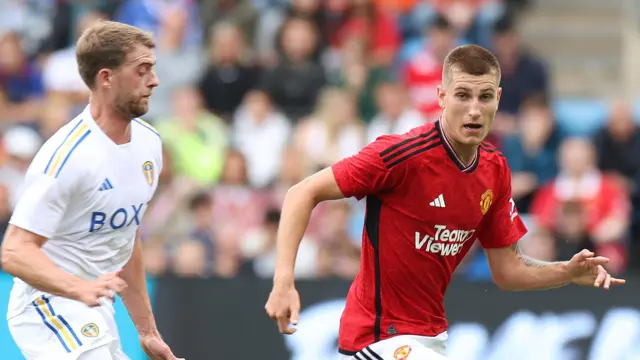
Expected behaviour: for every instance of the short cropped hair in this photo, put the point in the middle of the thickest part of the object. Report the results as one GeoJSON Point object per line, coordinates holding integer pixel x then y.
{"type": "Point", "coordinates": [471, 59]}
{"type": "Point", "coordinates": [105, 45]}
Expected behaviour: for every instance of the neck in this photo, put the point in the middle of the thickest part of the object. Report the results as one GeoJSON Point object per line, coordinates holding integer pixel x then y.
{"type": "Point", "coordinates": [114, 125]}
{"type": "Point", "coordinates": [466, 153]}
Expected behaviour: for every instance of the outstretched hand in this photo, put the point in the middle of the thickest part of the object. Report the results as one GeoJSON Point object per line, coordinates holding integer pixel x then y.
{"type": "Point", "coordinates": [586, 269]}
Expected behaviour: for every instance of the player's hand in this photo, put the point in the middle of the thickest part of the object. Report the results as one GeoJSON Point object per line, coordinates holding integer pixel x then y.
{"type": "Point", "coordinates": [90, 292]}
{"type": "Point", "coordinates": [586, 269]}
{"type": "Point", "coordinates": [283, 306]}
{"type": "Point", "coordinates": [156, 348]}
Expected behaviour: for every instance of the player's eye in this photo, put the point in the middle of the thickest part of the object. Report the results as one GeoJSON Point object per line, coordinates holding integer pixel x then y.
{"type": "Point", "coordinates": [462, 96]}
{"type": "Point", "coordinates": [486, 96]}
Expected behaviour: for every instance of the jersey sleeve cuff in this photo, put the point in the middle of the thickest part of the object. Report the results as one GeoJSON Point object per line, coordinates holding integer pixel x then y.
{"type": "Point", "coordinates": [510, 240]}
{"type": "Point", "coordinates": [338, 173]}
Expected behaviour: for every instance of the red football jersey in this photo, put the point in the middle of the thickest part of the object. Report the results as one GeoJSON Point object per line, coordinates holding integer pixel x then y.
{"type": "Point", "coordinates": [424, 210]}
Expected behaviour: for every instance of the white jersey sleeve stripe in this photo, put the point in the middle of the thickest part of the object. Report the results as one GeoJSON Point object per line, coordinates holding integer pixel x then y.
{"type": "Point", "coordinates": [53, 156]}
{"type": "Point", "coordinates": [148, 126]}
{"type": "Point", "coordinates": [67, 149]}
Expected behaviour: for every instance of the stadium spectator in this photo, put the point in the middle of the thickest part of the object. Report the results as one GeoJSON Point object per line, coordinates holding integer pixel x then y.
{"type": "Point", "coordinates": [190, 259]}
{"type": "Point", "coordinates": [241, 13]}
{"type": "Point", "coordinates": [524, 74]}
{"type": "Point", "coordinates": [332, 132]}
{"type": "Point", "coordinates": [237, 207]}
{"type": "Point", "coordinates": [270, 24]}
{"type": "Point", "coordinates": [195, 138]}
{"type": "Point", "coordinates": [230, 73]}
{"type": "Point", "coordinates": [21, 88]}
{"type": "Point", "coordinates": [618, 145]}
{"type": "Point", "coordinates": [378, 29]}
{"type": "Point", "coordinates": [531, 151]}
{"type": "Point", "coordinates": [172, 55]}
{"type": "Point", "coordinates": [261, 134]}
{"type": "Point", "coordinates": [60, 72]}
{"type": "Point", "coordinates": [605, 202]}
{"type": "Point", "coordinates": [359, 77]}
{"type": "Point", "coordinates": [470, 18]}
{"type": "Point", "coordinates": [149, 14]}
{"type": "Point", "coordinates": [422, 72]}
{"type": "Point", "coordinates": [396, 115]}
{"type": "Point", "coordinates": [571, 234]}
{"type": "Point", "coordinates": [295, 82]}
{"type": "Point", "coordinates": [339, 254]}
{"type": "Point", "coordinates": [259, 248]}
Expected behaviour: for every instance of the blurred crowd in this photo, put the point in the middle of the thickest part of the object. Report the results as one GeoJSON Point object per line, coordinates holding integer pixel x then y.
{"type": "Point", "coordinates": [255, 95]}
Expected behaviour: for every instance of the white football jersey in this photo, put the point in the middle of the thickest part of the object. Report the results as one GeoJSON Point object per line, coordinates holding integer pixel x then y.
{"type": "Point", "coordinates": [87, 195]}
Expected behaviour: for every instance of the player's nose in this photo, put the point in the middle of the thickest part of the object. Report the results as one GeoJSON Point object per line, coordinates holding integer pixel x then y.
{"type": "Point", "coordinates": [154, 81]}
{"type": "Point", "coordinates": [474, 112]}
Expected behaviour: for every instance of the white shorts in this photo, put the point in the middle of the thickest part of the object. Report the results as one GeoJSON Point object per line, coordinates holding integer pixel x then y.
{"type": "Point", "coordinates": [404, 347]}
{"type": "Point", "coordinates": [57, 328]}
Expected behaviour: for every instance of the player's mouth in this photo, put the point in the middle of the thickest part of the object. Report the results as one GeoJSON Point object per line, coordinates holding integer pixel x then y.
{"type": "Point", "coordinates": [473, 128]}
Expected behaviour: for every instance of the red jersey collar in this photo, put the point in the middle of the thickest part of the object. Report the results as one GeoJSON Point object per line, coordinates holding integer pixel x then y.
{"type": "Point", "coordinates": [452, 154]}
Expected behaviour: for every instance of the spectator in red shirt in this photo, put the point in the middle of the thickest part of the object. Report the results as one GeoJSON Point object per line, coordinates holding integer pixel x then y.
{"type": "Point", "coordinates": [377, 27]}
{"type": "Point", "coordinates": [423, 72]}
{"type": "Point", "coordinates": [605, 202]}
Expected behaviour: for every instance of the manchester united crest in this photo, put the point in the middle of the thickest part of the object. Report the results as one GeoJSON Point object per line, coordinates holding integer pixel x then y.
{"type": "Point", "coordinates": [147, 170]}
{"type": "Point", "coordinates": [486, 200]}
{"type": "Point", "coordinates": [402, 353]}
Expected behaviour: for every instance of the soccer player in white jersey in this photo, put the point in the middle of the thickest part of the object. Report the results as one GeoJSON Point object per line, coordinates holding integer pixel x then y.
{"type": "Point", "coordinates": [73, 240]}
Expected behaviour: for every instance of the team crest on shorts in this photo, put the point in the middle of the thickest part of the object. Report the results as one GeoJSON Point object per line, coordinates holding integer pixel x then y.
{"type": "Point", "coordinates": [402, 353]}
{"type": "Point", "coordinates": [486, 200]}
{"type": "Point", "coordinates": [147, 170]}
{"type": "Point", "coordinates": [90, 330]}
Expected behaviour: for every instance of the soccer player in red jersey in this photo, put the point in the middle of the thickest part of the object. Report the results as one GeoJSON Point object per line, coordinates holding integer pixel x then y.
{"type": "Point", "coordinates": [430, 194]}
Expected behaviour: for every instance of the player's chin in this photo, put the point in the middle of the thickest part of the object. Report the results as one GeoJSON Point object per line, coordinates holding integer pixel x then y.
{"type": "Point", "coordinates": [139, 109]}
{"type": "Point", "coordinates": [472, 139]}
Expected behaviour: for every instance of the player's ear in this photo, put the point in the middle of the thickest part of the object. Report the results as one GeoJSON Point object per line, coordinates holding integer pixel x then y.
{"type": "Point", "coordinates": [104, 77]}
{"type": "Point", "coordinates": [499, 93]}
{"type": "Point", "coordinates": [441, 94]}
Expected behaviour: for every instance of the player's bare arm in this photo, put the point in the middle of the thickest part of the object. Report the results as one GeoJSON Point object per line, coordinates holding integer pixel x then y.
{"type": "Point", "coordinates": [513, 270]}
{"type": "Point", "coordinates": [23, 258]}
{"type": "Point", "coordinates": [284, 302]}
{"type": "Point", "coordinates": [136, 299]}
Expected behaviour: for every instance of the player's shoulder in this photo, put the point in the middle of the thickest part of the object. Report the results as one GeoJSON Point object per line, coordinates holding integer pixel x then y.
{"type": "Point", "coordinates": [149, 133]}
{"type": "Point", "coordinates": [490, 154]}
{"type": "Point", "coordinates": [64, 150]}
{"type": "Point", "coordinates": [396, 149]}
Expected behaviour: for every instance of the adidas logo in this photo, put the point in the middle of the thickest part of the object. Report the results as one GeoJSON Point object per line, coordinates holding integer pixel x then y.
{"type": "Point", "coordinates": [106, 185]}
{"type": "Point", "coordinates": [392, 330]}
{"type": "Point", "coordinates": [438, 202]}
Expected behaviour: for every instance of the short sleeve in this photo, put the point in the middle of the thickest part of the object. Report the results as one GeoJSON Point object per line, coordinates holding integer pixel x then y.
{"type": "Point", "coordinates": [44, 200]}
{"type": "Point", "coordinates": [365, 173]}
{"type": "Point", "coordinates": [502, 225]}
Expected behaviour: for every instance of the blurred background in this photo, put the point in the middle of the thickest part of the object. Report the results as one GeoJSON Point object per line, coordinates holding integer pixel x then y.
{"type": "Point", "coordinates": [255, 95]}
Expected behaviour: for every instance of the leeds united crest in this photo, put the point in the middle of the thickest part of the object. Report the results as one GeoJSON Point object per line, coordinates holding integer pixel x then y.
{"type": "Point", "coordinates": [147, 170]}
